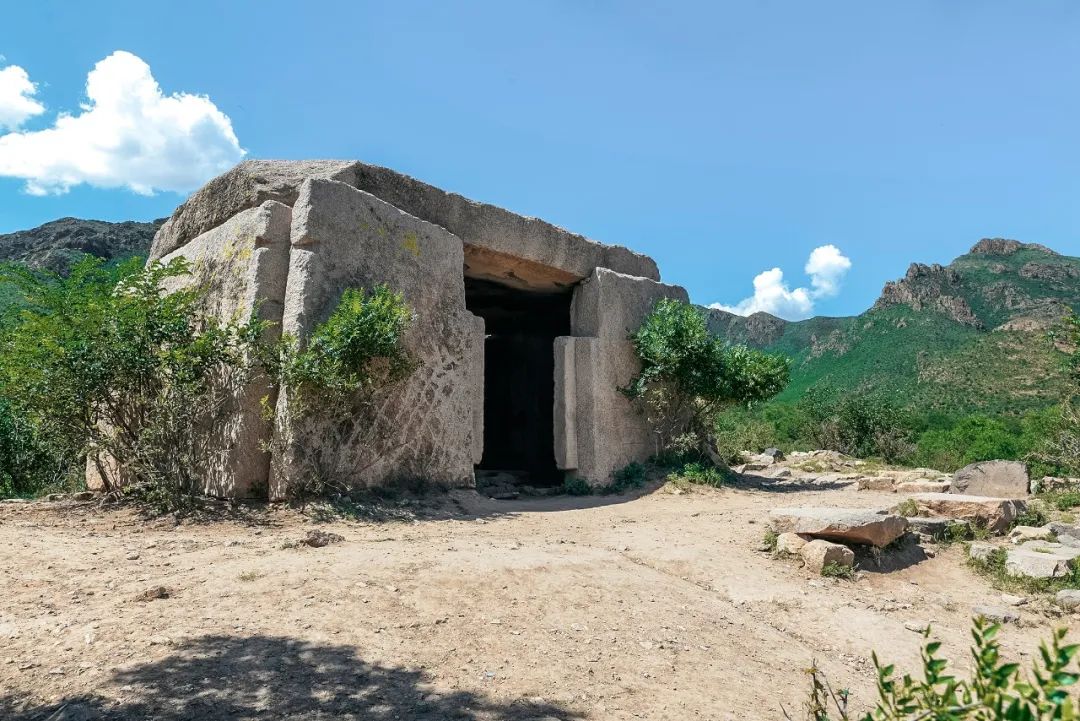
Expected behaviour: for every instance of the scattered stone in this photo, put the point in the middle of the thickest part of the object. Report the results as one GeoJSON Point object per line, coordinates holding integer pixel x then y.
{"type": "Point", "coordinates": [923, 487]}
{"type": "Point", "coordinates": [876, 483]}
{"type": "Point", "coordinates": [73, 712]}
{"type": "Point", "coordinates": [153, 594]}
{"type": "Point", "coordinates": [996, 479]}
{"type": "Point", "coordinates": [819, 553]}
{"type": "Point", "coordinates": [937, 528]}
{"type": "Point", "coordinates": [1012, 600]}
{"type": "Point", "coordinates": [1053, 483]}
{"type": "Point", "coordinates": [917, 626]}
{"type": "Point", "coordinates": [1035, 559]}
{"type": "Point", "coordinates": [779, 472]}
{"type": "Point", "coordinates": [775, 453]}
{"type": "Point", "coordinates": [996, 514]}
{"type": "Point", "coordinates": [54, 497]}
{"type": "Point", "coordinates": [790, 543]}
{"type": "Point", "coordinates": [839, 524]}
{"type": "Point", "coordinates": [132, 556]}
{"type": "Point", "coordinates": [319, 538]}
{"type": "Point", "coordinates": [993, 613]}
{"type": "Point", "coordinates": [83, 496]}
{"type": "Point", "coordinates": [759, 463]}
{"type": "Point", "coordinates": [1020, 534]}
{"type": "Point", "coordinates": [1068, 598]}
{"type": "Point", "coordinates": [980, 550]}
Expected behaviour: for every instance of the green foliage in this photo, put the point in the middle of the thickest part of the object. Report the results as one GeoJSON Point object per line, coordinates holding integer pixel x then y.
{"type": "Point", "coordinates": [993, 567]}
{"type": "Point", "coordinates": [1032, 516]}
{"type": "Point", "coordinates": [632, 475]}
{"type": "Point", "coordinates": [688, 375]}
{"type": "Point", "coordinates": [104, 362]}
{"type": "Point", "coordinates": [995, 690]}
{"type": "Point", "coordinates": [575, 486]}
{"type": "Point", "coordinates": [1062, 500]}
{"type": "Point", "coordinates": [357, 349]}
{"type": "Point", "coordinates": [740, 429]}
{"type": "Point", "coordinates": [907, 508]}
{"type": "Point", "coordinates": [976, 438]}
{"type": "Point", "coordinates": [856, 424]}
{"type": "Point", "coordinates": [28, 466]}
{"type": "Point", "coordinates": [700, 474]}
{"type": "Point", "coordinates": [838, 570]}
{"type": "Point", "coordinates": [770, 540]}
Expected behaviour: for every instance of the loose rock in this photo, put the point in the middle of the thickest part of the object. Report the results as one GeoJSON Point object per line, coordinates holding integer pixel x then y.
{"type": "Point", "coordinates": [1068, 598]}
{"type": "Point", "coordinates": [1036, 559]}
{"type": "Point", "coordinates": [319, 538]}
{"type": "Point", "coordinates": [996, 514]}
{"type": "Point", "coordinates": [838, 524]}
{"type": "Point", "coordinates": [996, 479]}
{"type": "Point", "coordinates": [790, 543]}
{"type": "Point", "coordinates": [819, 553]}
{"type": "Point", "coordinates": [993, 613]}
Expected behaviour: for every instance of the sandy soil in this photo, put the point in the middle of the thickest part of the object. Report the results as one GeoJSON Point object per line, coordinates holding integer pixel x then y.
{"type": "Point", "coordinates": [653, 606]}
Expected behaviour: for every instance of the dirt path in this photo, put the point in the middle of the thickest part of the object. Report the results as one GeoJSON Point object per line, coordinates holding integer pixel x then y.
{"type": "Point", "coordinates": [653, 607]}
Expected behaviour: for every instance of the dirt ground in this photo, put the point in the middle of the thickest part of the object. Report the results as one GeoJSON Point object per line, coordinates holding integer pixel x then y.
{"type": "Point", "coordinates": [645, 606]}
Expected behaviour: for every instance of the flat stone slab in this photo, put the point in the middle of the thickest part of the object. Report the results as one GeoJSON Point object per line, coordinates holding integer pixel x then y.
{"type": "Point", "coordinates": [839, 524]}
{"type": "Point", "coordinates": [996, 479]}
{"type": "Point", "coordinates": [1040, 559]}
{"type": "Point", "coordinates": [996, 514]}
{"type": "Point", "coordinates": [923, 487]}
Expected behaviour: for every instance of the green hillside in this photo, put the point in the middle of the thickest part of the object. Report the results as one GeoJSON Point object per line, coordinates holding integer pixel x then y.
{"type": "Point", "coordinates": [975, 336]}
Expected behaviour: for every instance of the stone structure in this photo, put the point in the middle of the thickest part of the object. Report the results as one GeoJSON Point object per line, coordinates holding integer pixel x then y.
{"type": "Point", "coordinates": [521, 327]}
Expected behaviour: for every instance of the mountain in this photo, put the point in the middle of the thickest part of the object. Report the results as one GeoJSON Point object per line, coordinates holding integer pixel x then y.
{"type": "Point", "coordinates": [55, 245]}
{"type": "Point", "coordinates": [975, 335]}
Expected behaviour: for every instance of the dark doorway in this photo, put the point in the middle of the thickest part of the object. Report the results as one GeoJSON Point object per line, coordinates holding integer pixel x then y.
{"type": "Point", "coordinates": [519, 377]}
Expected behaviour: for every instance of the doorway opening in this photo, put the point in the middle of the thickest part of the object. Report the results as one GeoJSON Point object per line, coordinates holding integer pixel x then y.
{"type": "Point", "coordinates": [519, 378]}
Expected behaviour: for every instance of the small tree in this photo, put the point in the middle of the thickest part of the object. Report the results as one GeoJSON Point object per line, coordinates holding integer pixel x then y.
{"type": "Point", "coordinates": [106, 363]}
{"type": "Point", "coordinates": [688, 375]}
{"type": "Point", "coordinates": [1060, 450]}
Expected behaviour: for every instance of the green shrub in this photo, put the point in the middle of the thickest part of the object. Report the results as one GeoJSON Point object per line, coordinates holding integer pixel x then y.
{"type": "Point", "coordinates": [838, 570]}
{"type": "Point", "coordinates": [104, 362]}
{"type": "Point", "coordinates": [630, 476]}
{"type": "Point", "coordinates": [993, 567]}
{"type": "Point", "coordinates": [855, 424]}
{"type": "Point", "coordinates": [687, 375]}
{"type": "Point", "coordinates": [699, 474]}
{"type": "Point", "coordinates": [1032, 516]}
{"type": "Point", "coordinates": [1062, 500]}
{"type": "Point", "coordinates": [993, 691]}
{"type": "Point", "coordinates": [575, 486]}
{"type": "Point", "coordinates": [976, 438]}
{"type": "Point", "coordinates": [739, 429]}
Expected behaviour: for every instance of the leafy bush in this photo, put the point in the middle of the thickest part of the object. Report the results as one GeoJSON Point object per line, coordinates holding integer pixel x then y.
{"type": "Point", "coordinates": [699, 474]}
{"type": "Point", "coordinates": [976, 438]}
{"type": "Point", "coordinates": [856, 424]}
{"type": "Point", "coordinates": [28, 466]}
{"type": "Point", "coordinates": [737, 430]}
{"type": "Point", "coordinates": [338, 373]}
{"type": "Point", "coordinates": [575, 486]}
{"type": "Point", "coordinates": [994, 691]}
{"type": "Point", "coordinates": [688, 375]}
{"type": "Point", "coordinates": [632, 475]}
{"type": "Point", "coordinates": [104, 362]}
{"type": "Point", "coordinates": [838, 570]}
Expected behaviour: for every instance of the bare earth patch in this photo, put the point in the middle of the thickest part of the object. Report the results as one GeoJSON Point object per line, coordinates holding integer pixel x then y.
{"type": "Point", "coordinates": [657, 607]}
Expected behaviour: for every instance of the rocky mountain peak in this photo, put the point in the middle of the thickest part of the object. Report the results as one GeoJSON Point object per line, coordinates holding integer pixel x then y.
{"type": "Point", "coordinates": [56, 244]}
{"type": "Point", "coordinates": [1005, 246]}
{"type": "Point", "coordinates": [934, 287]}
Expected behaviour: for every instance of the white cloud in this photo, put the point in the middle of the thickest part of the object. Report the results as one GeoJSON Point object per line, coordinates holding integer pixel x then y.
{"type": "Point", "coordinates": [128, 135]}
{"type": "Point", "coordinates": [17, 104]}
{"type": "Point", "coordinates": [826, 267]}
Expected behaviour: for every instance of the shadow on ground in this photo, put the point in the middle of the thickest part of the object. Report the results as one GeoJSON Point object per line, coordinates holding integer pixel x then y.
{"type": "Point", "coordinates": [269, 677]}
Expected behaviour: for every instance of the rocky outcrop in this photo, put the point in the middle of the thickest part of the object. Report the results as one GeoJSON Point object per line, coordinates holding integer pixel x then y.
{"type": "Point", "coordinates": [1054, 272]}
{"type": "Point", "coordinates": [56, 245]}
{"type": "Point", "coordinates": [997, 479]}
{"type": "Point", "coordinates": [929, 287]}
{"type": "Point", "coordinates": [994, 514]}
{"type": "Point", "coordinates": [756, 330]}
{"type": "Point", "coordinates": [841, 525]}
{"type": "Point", "coordinates": [1005, 246]}
{"type": "Point", "coordinates": [1041, 559]}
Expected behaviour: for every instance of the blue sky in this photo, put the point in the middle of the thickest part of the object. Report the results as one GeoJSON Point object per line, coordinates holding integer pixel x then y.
{"type": "Point", "coordinates": [723, 139]}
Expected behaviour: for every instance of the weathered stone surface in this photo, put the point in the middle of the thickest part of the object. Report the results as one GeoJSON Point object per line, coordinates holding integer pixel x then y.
{"type": "Point", "coordinates": [876, 483]}
{"type": "Point", "coordinates": [1068, 598]}
{"type": "Point", "coordinates": [923, 487]}
{"type": "Point", "coordinates": [819, 553]}
{"type": "Point", "coordinates": [424, 427]}
{"type": "Point", "coordinates": [248, 185]}
{"type": "Point", "coordinates": [597, 429]}
{"type": "Point", "coordinates": [994, 513]}
{"type": "Point", "coordinates": [775, 453]}
{"type": "Point", "coordinates": [1037, 559]}
{"type": "Point", "coordinates": [790, 542]}
{"type": "Point", "coordinates": [1054, 483]}
{"type": "Point", "coordinates": [838, 524]}
{"type": "Point", "coordinates": [1020, 534]}
{"type": "Point", "coordinates": [500, 245]}
{"type": "Point", "coordinates": [995, 613]}
{"type": "Point", "coordinates": [242, 265]}
{"type": "Point", "coordinates": [980, 550]}
{"type": "Point", "coordinates": [938, 527]}
{"type": "Point", "coordinates": [995, 479]}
